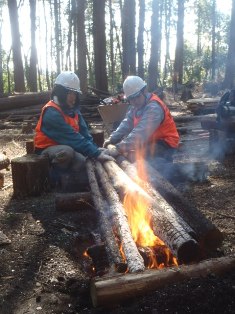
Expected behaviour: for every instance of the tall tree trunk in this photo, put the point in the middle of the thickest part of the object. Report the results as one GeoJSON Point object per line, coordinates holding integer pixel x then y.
{"type": "Point", "coordinates": [46, 46]}
{"type": "Point", "coordinates": [230, 64]}
{"type": "Point", "coordinates": [1, 64]}
{"type": "Point", "coordinates": [33, 56]}
{"type": "Point", "coordinates": [68, 64]}
{"type": "Point", "coordinates": [153, 70]}
{"type": "Point", "coordinates": [128, 38]}
{"type": "Point", "coordinates": [179, 50]}
{"type": "Point", "coordinates": [16, 47]}
{"type": "Point", "coordinates": [213, 65]}
{"type": "Point", "coordinates": [81, 44]}
{"type": "Point", "coordinates": [112, 64]}
{"type": "Point", "coordinates": [57, 35]}
{"type": "Point", "coordinates": [168, 13]}
{"type": "Point", "coordinates": [140, 39]}
{"type": "Point", "coordinates": [100, 44]}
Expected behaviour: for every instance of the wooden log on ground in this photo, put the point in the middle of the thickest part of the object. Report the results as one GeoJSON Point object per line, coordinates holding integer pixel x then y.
{"type": "Point", "coordinates": [188, 118]}
{"type": "Point", "coordinates": [4, 161]}
{"type": "Point", "coordinates": [30, 175]}
{"type": "Point", "coordinates": [164, 222]}
{"type": "Point", "coordinates": [108, 236]}
{"type": "Point", "coordinates": [134, 260]}
{"type": "Point", "coordinates": [208, 234]}
{"type": "Point", "coordinates": [73, 201]}
{"type": "Point", "coordinates": [111, 291]}
{"type": "Point", "coordinates": [24, 100]}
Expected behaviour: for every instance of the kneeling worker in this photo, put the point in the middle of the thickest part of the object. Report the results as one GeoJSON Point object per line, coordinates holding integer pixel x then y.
{"type": "Point", "coordinates": [62, 133]}
{"type": "Point", "coordinates": [148, 126]}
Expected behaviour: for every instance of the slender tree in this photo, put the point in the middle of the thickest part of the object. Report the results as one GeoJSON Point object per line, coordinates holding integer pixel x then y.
{"type": "Point", "coordinates": [153, 68]}
{"type": "Point", "coordinates": [140, 39]}
{"type": "Point", "coordinates": [179, 50]}
{"type": "Point", "coordinates": [213, 60]}
{"type": "Point", "coordinates": [57, 35]}
{"type": "Point", "coordinates": [81, 44]}
{"type": "Point", "coordinates": [100, 44]}
{"type": "Point", "coordinates": [229, 79]}
{"type": "Point", "coordinates": [128, 38]}
{"type": "Point", "coordinates": [1, 56]}
{"type": "Point", "coordinates": [16, 47]}
{"type": "Point", "coordinates": [33, 57]}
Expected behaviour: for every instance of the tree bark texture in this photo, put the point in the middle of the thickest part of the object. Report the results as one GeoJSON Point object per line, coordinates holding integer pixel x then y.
{"type": "Point", "coordinates": [134, 260]}
{"type": "Point", "coordinates": [105, 225]}
{"type": "Point", "coordinates": [114, 290]}
{"type": "Point", "coordinates": [16, 47]}
{"type": "Point", "coordinates": [208, 234]}
{"type": "Point", "coordinates": [163, 221]}
{"type": "Point", "coordinates": [30, 175]}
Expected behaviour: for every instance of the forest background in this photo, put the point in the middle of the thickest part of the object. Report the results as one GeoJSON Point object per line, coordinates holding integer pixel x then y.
{"type": "Point", "coordinates": [168, 43]}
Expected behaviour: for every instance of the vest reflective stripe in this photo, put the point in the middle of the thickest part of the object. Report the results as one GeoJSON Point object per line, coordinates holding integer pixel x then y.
{"type": "Point", "coordinates": [43, 141]}
{"type": "Point", "coordinates": [167, 130]}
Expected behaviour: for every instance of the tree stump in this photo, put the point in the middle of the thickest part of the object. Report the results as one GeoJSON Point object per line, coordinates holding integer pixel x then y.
{"type": "Point", "coordinates": [29, 145]}
{"type": "Point", "coordinates": [30, 175]}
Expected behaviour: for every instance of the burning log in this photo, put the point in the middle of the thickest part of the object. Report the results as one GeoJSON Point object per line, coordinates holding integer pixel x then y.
{"type": "Point", "coordinates": [110, 291]}
{"type": "Point", "coordinates": [164, 206]}
{"type": "Point", "coordinates": [164, 222]}
{"type": "Point", "coordinates": [4, 161]}
{"type": "Point", "coordinates": [73, 201]}
{"type": "Point", "coordinates": [105, 226]}
{"type": "Point", "coordinates": [134, 260]}
{"type": "Point", "coordinates": [208, 235]}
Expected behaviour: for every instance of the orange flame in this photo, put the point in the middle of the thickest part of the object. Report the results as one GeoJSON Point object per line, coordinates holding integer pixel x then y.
{"type": "Point", "coordinates": [136, 207]}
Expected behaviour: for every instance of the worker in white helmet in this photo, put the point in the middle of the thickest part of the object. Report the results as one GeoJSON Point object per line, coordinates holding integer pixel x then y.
{"type": "Point", "coordinates": [62, 133]}
{"type": "Point", "coordinates": [148, 126]}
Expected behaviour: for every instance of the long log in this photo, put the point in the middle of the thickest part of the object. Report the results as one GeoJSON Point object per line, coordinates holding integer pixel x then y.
{"type": "Point", "coordinates": [111, 291]}
{"type": "Point", "coordinates": [208, 234]}
{"type": "Point", "coordinates": [4, 161]}
{"type": "Point", "coordinates": [24, 100]}
{"type": "Point", "coordinates": [73, 201]}
{"type": "Point", "coordinates": [105, 226]}
{"type": "Point", "coordinates": [164, 224]}
{"type": "Point", "coordinates": [134, 260]}
{"type": "Point", "coordinates": [164, 206]}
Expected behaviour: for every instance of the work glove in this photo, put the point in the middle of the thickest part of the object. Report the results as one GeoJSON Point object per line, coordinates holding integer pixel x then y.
{"type": "Point", "coordinates": [113, 151]}
{"type": "Point", "coordinates": [105, 157]}
{"type": "Point", "coordinates": [107, 142]}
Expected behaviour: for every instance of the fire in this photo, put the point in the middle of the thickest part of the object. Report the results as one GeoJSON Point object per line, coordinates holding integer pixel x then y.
{"type": "Point", "coordinates": [136, 207]}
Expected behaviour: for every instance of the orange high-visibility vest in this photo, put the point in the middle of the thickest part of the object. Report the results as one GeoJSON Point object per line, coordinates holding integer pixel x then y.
{"type": "Point", "coordinates": [167, 129]}
{"type": "Point", "coordinates": [43, 141]}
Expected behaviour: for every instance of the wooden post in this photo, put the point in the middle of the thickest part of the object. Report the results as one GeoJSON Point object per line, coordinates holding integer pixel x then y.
{"type": "Point", "coordinates": [29, 147]}
{"type": "Point", "coordinates": [30, 175]}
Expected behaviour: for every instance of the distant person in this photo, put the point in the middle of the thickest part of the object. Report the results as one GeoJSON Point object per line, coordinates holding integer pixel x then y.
{"type": "Point", "coordinates": [62, 133]}
{"type": "Point", "coordinates": [148, 126]}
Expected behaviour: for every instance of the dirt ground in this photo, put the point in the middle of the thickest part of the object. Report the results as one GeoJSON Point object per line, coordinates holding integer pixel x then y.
{"type": "Point", "coordinates": [43, 269]}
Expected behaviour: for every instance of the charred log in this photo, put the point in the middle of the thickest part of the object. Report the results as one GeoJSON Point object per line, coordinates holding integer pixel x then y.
{"type": "Point", "coordinates": [134, 260]}
{"type": "Point", "coordinates": [208, 235]}
{"type": "Point", "coordinates": [164, 223]}
{"type": "Point", "coordinates": [105, 226]}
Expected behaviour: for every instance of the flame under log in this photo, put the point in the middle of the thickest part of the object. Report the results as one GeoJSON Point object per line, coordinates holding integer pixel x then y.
{"type": "Point", "coordinates": [134, 260]}
{"type": "Point", "coordinates": [105, 226]}
{"type": "Point", "coordinates": [165, 225]}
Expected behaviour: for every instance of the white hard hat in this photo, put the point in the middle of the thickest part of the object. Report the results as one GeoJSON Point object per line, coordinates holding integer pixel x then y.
{"type": "Point", "coordinates": [132, 86]}
{"type": "Point", "coordinates": [69, 80]}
